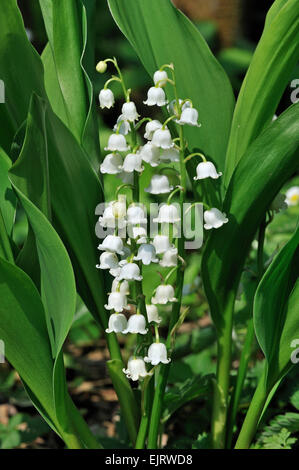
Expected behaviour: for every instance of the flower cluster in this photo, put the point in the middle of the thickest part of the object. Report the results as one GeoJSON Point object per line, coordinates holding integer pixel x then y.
{"type": "Point", "coordinates": [125, 259]}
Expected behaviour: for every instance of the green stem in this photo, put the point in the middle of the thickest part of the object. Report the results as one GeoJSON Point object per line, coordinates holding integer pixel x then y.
{"type": "Point", "coordinates": [253, 415]}
{"type": "Point", "coordinates": [221, 389]}
{"type": "Point", "coordinates": [148, 393]}
{"type": "Point", "coordinates": [164, 369]}
{"type": "Point", "coordinates": [246, 352]}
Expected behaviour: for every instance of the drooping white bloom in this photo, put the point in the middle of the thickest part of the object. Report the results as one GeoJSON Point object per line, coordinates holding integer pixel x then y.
{"type": "Point", "coordinates": [168, 213]}
{"type": "Point", "coordinates": [170, 258]}
{"type": "Point", "coordinates": [156, 96]}
{"type": "Point", "coordinates": [129, 111]}
{"type": "Point", "coordinates": [106, 98]}
{"type": "Point", "coordinates": [150, 154]}
{"type": "Point", "coordinates": [170, 155]}
{"type": "Point", "coordinates": [111, 164]}
{"type": "Point", "coordinates": [108, 260]}
{"type": "Point", "coordinates": [116, 301]}
{"type": "Point", "coordinates": [112, 243]}
{"type": "Point", "coordinates": [292, 196]}
{"type": "Point", "coordinates": [161, 244]}
{"type": "Point", "coordinates": [157, 353]}
{"type": "Point", "coordinates": [172, 107]}
{"type": "Point", "coordinates": [132, 162]}
{"type": "Point", "coordinates": [122, 126]}
{"type": "Point", "coordinates": [122, 287]}
{"type": "Point", "coordinates": [108, 219]}
{"type": "Point", "coordinates": [117, 143]}
{"type": "Point", "coordinates": [153, 314]}
{"type": "Point", "coordinates": [206, 170]}
{"type": "Point", "coordinates": [160, 77]}
{"type": "Point", "coordinates": [189, 116]}
{"type": "Point", "coordinates": [159, 185]}
{"type": "Point", "coordinates": [279, 203]}
{"type": "Point", "coordinates": [214, 218]}
{"type": "Point", "coordinates": [146, 254]}
{"type": "Point", "coordinates": [119, 208]}
{"type": "Point", "coordinates": [164, 294]}
{"type": "Point", "coordinates": [136, 215]}
{"type": "Point", "coordinates": [151, 127]}
{"type": "Point", "coordinates": [117, 323]}
{"type": "Point", "coordinates": [129, 272]}
{"type": "Point", "coordinates": [139, 234]}
{"type": "Point", "coordinates": [136, 369]}
{"type": "Point", "coordinates": [162, 139]}
{"type": "Point", "coordinates": [136, 324]}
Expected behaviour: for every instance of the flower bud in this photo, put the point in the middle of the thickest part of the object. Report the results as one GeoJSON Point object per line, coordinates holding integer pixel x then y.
{"type": "Point", "coordinates": [101, 66]}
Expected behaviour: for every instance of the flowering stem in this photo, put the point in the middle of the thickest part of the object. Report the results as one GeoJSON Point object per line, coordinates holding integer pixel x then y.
{"type": "Point", "coordinates": [196, 154]}
{"type": "Point", "coordinates": [164, 369]}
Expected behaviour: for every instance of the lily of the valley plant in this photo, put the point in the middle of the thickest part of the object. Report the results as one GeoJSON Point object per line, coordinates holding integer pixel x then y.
{"type": "Point", "coordinates": [189, 148]}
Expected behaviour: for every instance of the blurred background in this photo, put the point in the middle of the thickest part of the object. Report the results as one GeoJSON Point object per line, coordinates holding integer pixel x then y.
{"type": "Point", "coordinates": [232, 29]}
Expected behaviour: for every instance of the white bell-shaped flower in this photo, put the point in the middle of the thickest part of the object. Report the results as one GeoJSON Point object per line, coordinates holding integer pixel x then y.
{"type": "Point", "coordinates": [111, 164]}
{"type": "Point", "coordinates": [136, 369]}
{"type": "Point", "coordinates": [116, 301]}
{"type": "Point", "coordinates": [108, 260]}
{"type": "Point", "coordinates": [156, 96]}
{"type": "Point", "coordinates": [189, 116]}
{"type": "Point", "coordinates": [117, 143]}
{"type": "Point", "coordinates": [292, 196]}
{"type": "Point", "coordinates": [129, 272]}
{"type": "Point", "coordinates": [168, 213]}
{"type": "Point", "coordinates": [139, 234]}
{"type": "Point", "coordinates": [157, 353]}
{"type": "Point", "coordinates": [170, 258]}
{"type": "Point", "coordinates": [106, 98]}
{"type": "Point", "coordinates": [170, 155]}
{"type": "Point", "coordinates": [214, 218]}
{"type": "Point", "coordinates": [119, 208]}
{"type": "Point", "coordinates": [206, 170]}
{"type": "Point", "coordinates": [133, 162]}
{"type": "Point", "coordinates": [150, 154]}
{"type": "Point", "coordinates": [164, 294]}
{"type": "Point", "coordinates": [161, 244]}
{"type": "Point", "coordinates": [108, 219]}
{"type": "Point", "coordinates": [136, 215]}
{"type": "Point", "coordinates": [160, 78]}
{"type": "Point", "coordinates": [122, 287]}
{"type": "Point", "coordinates": [112, 243]}
{"type": "Point", "coordinates": [117, 323]}
{"type": "Point", "coordinates": [146, 254]}
{"type": "Point", "coordinates": [172, 107]}
{"type": "Point", "coordinates": [159, 185]}
{"type": "Point", "coordinates": [122, 126]}
{"type": "Point", "coordinates": [162, 139]}
{"type": "Point", "coordinates": [153, 314]}
{"type": "Point", "coordinates": [129, 111]}
{"type": "Point", "coordinates": [151, 127]}
{"type": "Point", "coordinates": [136, 325]}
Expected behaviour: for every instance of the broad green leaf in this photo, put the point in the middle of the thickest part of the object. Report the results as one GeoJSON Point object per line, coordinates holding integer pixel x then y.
{"type": "Point", "coordinates": [273, 62]}
{"type": "Point", "coordinates": [22, 77]}
{"type": "Point", "coordinates": [161, 34]}
{"type": "Point", "coordinates": [24, 331]}
{"type": "Point", "coordinates": [7, 197]}
{"type": "Point", "coordinates": [67, 59]}
{"type": "Point", "coordinates": [276, 310]}
{"type": "Point", "coordinates": [260, 174]}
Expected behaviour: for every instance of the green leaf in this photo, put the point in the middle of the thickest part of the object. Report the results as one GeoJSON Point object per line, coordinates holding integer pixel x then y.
{"type": "Point", "coordinates": [189, 390]}
{"type": "Point", "coordinates": [7, 198]}
{"type": "Point", "coordinates": [260, 174]}
{"type": "Point", "coordinates": [161, 34]}
{"type": "Point", "coordinates": [22, 77]}
{"type": "Point", "coordinates": [273, 62]}
{"type": "Point", "coordinates": [276, 308]}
